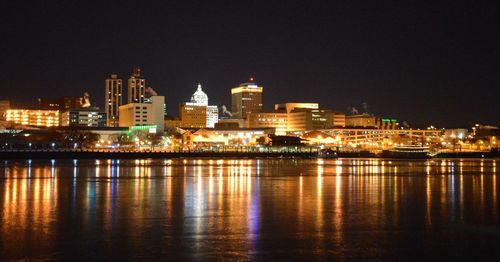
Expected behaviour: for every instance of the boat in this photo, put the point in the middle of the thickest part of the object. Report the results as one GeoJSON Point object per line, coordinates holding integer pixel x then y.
{"type": "Point", "coordinates": [408, 151]}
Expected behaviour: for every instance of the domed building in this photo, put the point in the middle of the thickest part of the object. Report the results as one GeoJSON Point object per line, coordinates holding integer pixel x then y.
{"type": "Point", "coordinates": [199, 97]}
{"type": "Point", "coordinates": [197, 113]}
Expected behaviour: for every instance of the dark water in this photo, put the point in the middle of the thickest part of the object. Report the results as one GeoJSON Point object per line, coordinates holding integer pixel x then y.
{"type": "Point", "coordinates": [281, 209]}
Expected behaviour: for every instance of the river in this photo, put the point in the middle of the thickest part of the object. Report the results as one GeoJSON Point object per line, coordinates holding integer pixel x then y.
{"type": "Point", "coordinates": [250, 209]}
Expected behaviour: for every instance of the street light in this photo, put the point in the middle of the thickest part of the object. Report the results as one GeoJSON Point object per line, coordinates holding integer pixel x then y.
{"type": "Point", "coordinates": [29, 144]}
{"type": "Point", "coordinates": [53, 145]}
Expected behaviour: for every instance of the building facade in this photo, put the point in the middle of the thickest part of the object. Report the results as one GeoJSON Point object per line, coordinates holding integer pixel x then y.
{"type": "Point", "coordinates": [136, 87]}
{"type": "Point", "coordinates": [338, 119]}
{"type": "Point", "coordinates": [29, 117]}
{"type": "Point", "coordinates": [288, 107]}
{"type": "Point", "coordinates": [303, 119]}
{"type": "Point", "coordinates": [386, 123]}
{"type": "Point", "coordinates": [277, 120]}
{"type": "Point", "coordinates": [363, 120]}
{"type": "Point", "coordinates": [212, 116]}
{"type": "Point", "coordinates": [83, 118]}
{"type": "Point", "coordinates": [193, 116]}
{"type": "Point", "coordinates": [197, 113]}
{"type": "Point", "coordinates": [246, 98]}
{"type": "Point", "coordinates": [113, 100]}
{"type": "Point", "coordinates": [143, 114]}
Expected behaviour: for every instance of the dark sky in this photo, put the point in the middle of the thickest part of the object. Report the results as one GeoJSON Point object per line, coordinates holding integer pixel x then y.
{"type": "Point", "coordinates": [426, 62]}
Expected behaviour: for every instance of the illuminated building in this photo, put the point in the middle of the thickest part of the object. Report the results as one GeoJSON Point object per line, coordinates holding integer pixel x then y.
{"type": "Point", "coordinates": [457, 133]}
{"type": "Point", "coordinates": [197, 113]}
{"type": "Point", "coordinates": [245, 99]}
{"type": "Point", "coordinates": [367, 121]}
{"type": "Point", "coordinates": [303, 119]}
{"type": "Point", "coordinates": [29, 117]}
{"type": "Point", "coordinates": [4, 106]}
{"type": "Point", "coordinates": [143, 114]}
{"type": "Point", "coordinates": [288, 107]}
{"type": "Point", "coordinates": [230, 137]}
{"type": "Point", "coordinates": [277, 120]}
{"type": "Point", "coordinates": [193, 116]}
{"type": "Point", "coordinates": [320, 138]}
{"type": "Point", "coordinates": [83, 118]}
{"type": "Point", "coordinates": [363, 120]}
{"type": "Point", "coordinates": [338, 119]}
{"type": "Point", "coordinates": [212, 116]}
{"type": "Point", "coordinates": [386, 123]}
{"type": "Point", "coordinates": [136, 87]}
{"type": "Point", "coordinates": [113, 100]}
{"type": "Point", "coordinates": [293, 117]}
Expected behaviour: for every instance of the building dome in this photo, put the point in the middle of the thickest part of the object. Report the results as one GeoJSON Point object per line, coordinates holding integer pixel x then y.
{"type": "Point", "coordinates": [199, 97]}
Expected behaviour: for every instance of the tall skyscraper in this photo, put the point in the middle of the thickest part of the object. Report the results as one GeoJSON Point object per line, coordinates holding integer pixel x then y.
{"type": "Point", "coordinates": [113, 99]}
{"type": "Point", "coordinates": [136, 87]}
{"type": "Point", "coordinates": [246, 98]}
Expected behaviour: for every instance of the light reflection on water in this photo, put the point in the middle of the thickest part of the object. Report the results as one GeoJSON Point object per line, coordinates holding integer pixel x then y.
{"type": "Point", "coordinates": [248, 209]}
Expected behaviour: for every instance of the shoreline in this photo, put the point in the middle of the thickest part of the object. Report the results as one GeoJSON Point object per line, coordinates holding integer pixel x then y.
{"type": "Point", "coordinates": [73, 154]}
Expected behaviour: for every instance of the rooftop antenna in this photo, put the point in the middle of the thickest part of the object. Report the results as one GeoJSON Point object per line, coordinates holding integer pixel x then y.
{"type": "Point", "coordinates": [137, 71]}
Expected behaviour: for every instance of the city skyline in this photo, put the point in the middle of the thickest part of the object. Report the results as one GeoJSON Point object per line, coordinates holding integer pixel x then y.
{"type": "Point", "coordinates": [361, 108]}
{"type": "Point", "coordinates": [426, 64]}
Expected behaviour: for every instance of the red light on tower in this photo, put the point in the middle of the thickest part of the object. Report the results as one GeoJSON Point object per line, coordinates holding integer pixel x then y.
{"type": "Point", "coordinates": [251, 79]}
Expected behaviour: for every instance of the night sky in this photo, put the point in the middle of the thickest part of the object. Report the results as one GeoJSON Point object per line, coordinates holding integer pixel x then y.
{"type": "Point", "coordinates": [422, 62]}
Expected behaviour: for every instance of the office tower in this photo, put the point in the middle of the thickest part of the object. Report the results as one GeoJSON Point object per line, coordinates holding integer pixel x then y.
{"type": "Point", "coordinates": [113, 100]}
{"type": "Point", "coordinates": [136, 87]}
{"type": "Point", "coordinates": [246, 98]}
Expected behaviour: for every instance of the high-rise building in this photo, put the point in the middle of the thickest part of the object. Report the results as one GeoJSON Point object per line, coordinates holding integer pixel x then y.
{"type": "Point", "coordinates": [246, 98]}
{"type": "Point", "coordinates": [197, 113]}
{"type": "Point", "coordinates": [136, 87]}
{"type": "Point", "coordinates": [113, 100]}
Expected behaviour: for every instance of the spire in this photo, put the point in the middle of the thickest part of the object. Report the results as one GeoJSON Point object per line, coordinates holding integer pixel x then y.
{"type": "Point", "coordinates": [199, 87]}
{"type": "Point", "coordinates": [136, 71]}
